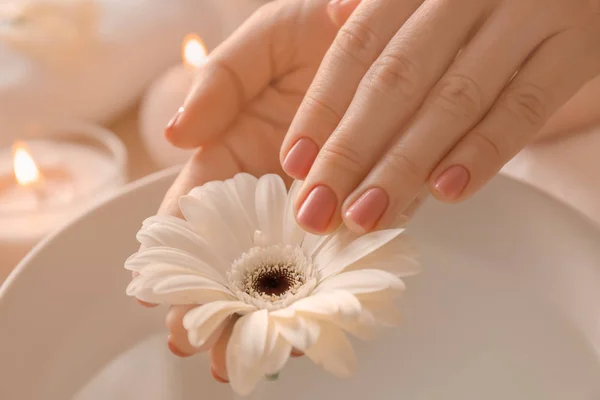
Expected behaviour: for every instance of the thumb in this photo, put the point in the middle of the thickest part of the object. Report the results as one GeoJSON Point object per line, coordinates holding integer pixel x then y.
{"type": "Point", "coordinates": [236, 71]}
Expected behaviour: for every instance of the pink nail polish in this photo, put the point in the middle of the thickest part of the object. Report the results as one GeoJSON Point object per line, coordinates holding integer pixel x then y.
{"type": "Point", "coordinates": [173, 120]}
{"type": "Point", "coordinates": [300, 158]}
{"type": "Point", "coordinates": [452, 182]}
{"type": "Point", "coordinates": [317, 210]}
{"type": "Point", "coordinates": [365, 212]}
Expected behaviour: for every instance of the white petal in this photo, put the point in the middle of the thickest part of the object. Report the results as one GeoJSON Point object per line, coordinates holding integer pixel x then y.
{"type": "Point", "coordinates": [311, 243]}
{"type": "Point", "coordinates": [333, 351]}
{"type": "Point", "coordinates": [364, 327]}
{"type": "Point", "coordinates": [180, 283]}
{"type": "Point", "coordinates": [244, 187]}
{"type": "Point", "coordinates": [361, 281]}
{"type": "Point", "coordinates": [336, 243]}
{"type": "Point", "coordinates": [292, 232]}
{"type": "Point", "coordinates": [277, 351]}
{"type": "Point", "coordinates": [300, 332]}
{"type": "Point", "coordinates": [147, 294]}
{"type": "Point", "coordinates": [202, 321]}
{"type": "Point", "coordinates": [328, 304]}
{"type": "Point", "coordinates": [271, 196]}
{"type": "Point", "coordinates": [245, 351]}
{"type": "Point", "coordinates": [399, 256]}
{"type": "Point", "coordinates": [382, 307]}
{"type": "Point", "coordinates": [211, 226]}
{"type": "Point", "coordinates": [180, 236]}
{"type": "Point", "coordinates": [175, 258]}
{"type": "Point", "coordinates": [357, 249]}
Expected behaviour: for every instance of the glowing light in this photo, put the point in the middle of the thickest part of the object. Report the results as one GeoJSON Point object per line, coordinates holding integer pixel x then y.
{"type": "Point", "coordinates": [194, 51]}
{"type": "Point", "coordinates": [26, 171]}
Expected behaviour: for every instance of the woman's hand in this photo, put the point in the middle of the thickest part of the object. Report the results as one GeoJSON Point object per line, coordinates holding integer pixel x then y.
{"type": "Point", "coordinates": [431, 91]}
{"type": "Point", "coordinates": [239, 112]}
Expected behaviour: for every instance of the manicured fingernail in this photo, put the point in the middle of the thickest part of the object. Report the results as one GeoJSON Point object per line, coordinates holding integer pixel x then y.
{"type": "Point", "coordinates": [174, 120]}
{"type": "Point", "coordinates": [318, 208]}
{"type": "Point", "coordinates": [174, 349]}
{"type": "Point", "coordinates": [452, 182]}
{"type": "Point", "coordinates": [300, 158]}
{"type": "Point", "coordinates": [365, 212]}
{"type": "Point", "coordinates": [217, 376]}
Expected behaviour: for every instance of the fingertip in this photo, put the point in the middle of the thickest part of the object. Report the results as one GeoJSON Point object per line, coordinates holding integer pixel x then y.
{"type": "Point", "coordinates": [216, 376]}
{"type": "Point", "coordinates": [174, 349]}
{"type": "Point", "coordinates": [146, 304]}
{"type": "Point", "coordinates": [340, 10]}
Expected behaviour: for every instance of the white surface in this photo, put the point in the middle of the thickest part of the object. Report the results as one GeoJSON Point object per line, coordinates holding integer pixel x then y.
{"type": "Point", "coordinates": [506, 309]}
{"type": "Point", "coordinates": [134, 42]}
{"type": "Point", "coordinates": [567, 168]}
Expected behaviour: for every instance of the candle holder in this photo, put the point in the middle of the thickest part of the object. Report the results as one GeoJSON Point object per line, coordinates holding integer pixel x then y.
{"type": "Point", "coordinates": [48, 176]}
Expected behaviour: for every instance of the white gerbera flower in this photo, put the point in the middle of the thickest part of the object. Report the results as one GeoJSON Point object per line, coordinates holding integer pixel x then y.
{"type": "Point", "coordinates": [240, 251]}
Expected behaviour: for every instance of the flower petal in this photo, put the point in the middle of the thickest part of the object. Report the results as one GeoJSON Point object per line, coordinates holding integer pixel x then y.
{"type": "Point", "coordinates": [333, 351]}
{"type": "Point", "coordinates": [293, 234]}
{"type": "Point", "coordinates": [331, 245]}
{"type": "Point", "coordinates": [300, 332]}
{"type": "Point", "coordinates": [271, 196]}
{"type": "Point", "coordinates": [326, 304]}
{"type": "Point", "coordinates": [382, 308]}
{"type": "Point", "coordinates": [277, 351]}
{"type": "Point", "coordinates": [141, 291]}
{"type": "Point", "coordinates": [181, 283]}
{"type": "Point", "coordinates": [352, 252]}
{"type": "Point", "coordinates": [245, 351]}
{"type": "Point", "coordinates": [361, 281]}
{"type": "Point", "coordinates": [244, 187]}
{"type": "Point", "coordinates": [175, 258]}
{"type": "Point", "coordinates": [214, 228]}
{"type": "Point", "coordinates": [179, 235]}
{"type": "Point", "coordinates": [400, 256]}
{"type": "Point", "coordinates": [202, 321]}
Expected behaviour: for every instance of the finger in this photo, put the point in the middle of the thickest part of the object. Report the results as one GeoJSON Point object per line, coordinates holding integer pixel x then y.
{"type": "Point", "coordinates": [356, 46]}
{"type": "Point", "coordinates": [561, 67]}
{"type": "Point", "coordinates": [391, 91]}
{"type": "Point", "coordinates": [178, 341]}
{"type": "Point", "coordinates": [456, 103]}
{"type": "Point", "coordinates": [340, 10]}
{"type": "Point", "coordinates": [217, 355]}
{"type": "Point", "coordinates": [225, 83]}
{"type": "Point", "coordinates": [198, 171]}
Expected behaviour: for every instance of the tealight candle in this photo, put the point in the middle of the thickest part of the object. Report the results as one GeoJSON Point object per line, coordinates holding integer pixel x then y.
{"type": "Point", "coordinates": [163, 99]}
{"type": "Point", "coordinates": [46, 179]}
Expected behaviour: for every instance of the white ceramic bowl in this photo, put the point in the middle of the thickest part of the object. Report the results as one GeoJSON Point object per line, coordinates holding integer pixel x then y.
{"type": "Point", "coordinates": [507, 308]}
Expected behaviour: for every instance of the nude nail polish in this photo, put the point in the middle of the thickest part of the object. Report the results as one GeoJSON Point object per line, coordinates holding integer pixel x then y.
{"type": "Point", "coordinates": [300, 158]}
{"type": "Point", "coordinates": [364, 214]}
{"type": "Point", "coordinates": [452, 182]}
{"type": "Point", "coordinates": [174, 120]}
{"type": "Point", "coordinates": [317, 210]}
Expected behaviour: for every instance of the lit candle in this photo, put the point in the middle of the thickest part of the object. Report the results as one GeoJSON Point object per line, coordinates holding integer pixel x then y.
{"type": "Point", "coordinates": [47, 179]}
{"type": "Point", "coordinates": [163, 99]}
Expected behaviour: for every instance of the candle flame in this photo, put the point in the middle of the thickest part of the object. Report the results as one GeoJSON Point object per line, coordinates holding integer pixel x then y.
{"type": "Point", "coordinates": [26, 171]}
{"type": "Point", "coordinates": [194, 51]}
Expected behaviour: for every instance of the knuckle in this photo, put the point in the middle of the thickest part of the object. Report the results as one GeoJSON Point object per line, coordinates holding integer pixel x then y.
{"type": "Point", "coordinates": [321, 107]}
{"type": "Point", "coordinates": [341, 155]}
{"type": "Point", "coordinates": [483, 143]}
{"type": "Point", "coordinates": [527, 102]}
{"type": "Point", "coordinates": [358, 41]}
{"type": "Point", "coordinates": [393, 75]}
{"type": "Point", "coordinates": [404, 166]}
{"type": "Point", "coordinates": [461, 97]}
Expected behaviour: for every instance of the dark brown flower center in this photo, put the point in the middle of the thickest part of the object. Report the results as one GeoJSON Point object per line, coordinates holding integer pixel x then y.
{"type": "Point", "coordinates": [275, 280]}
